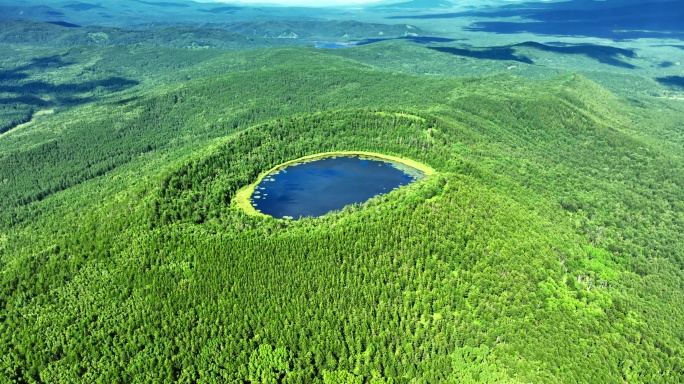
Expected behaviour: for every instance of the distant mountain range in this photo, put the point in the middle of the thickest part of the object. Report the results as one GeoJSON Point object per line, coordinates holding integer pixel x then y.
{"type": "Point", "coordinates": [256, 22]}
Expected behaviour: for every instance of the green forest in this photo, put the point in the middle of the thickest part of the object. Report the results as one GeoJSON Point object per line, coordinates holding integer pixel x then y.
{"type": "Point", "coordinates": [546, 248]}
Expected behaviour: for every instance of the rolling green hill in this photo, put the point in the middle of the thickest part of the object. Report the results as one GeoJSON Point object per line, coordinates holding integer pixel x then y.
{"type": "Point", "coordinates": [547, 247]}
{"type": "Point", "coordinates": [55, 35]}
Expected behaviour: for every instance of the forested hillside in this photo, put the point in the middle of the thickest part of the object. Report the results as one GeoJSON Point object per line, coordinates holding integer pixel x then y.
{"type": "Point", "coordinates": [57, 35]}
{"type": "Point", "coordinates": [547, 247]}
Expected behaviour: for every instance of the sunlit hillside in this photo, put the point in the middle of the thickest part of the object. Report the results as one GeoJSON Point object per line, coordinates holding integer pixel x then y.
{"type": "Point", "coordinates": [546, 246]}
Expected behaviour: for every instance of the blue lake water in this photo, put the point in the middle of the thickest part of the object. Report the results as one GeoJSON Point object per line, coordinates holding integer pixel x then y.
{"type": "Point", "coordinates": [333, 45]}
{"type": "Point", "coordinates": [317, 187]}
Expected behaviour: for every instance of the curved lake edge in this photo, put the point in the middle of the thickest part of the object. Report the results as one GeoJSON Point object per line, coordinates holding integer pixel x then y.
{"type": "Point", "coordinates": [242, 196]}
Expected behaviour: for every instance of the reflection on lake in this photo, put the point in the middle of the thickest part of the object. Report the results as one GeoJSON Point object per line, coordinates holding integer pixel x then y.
{"type": "Point", "coordinates": [317, 187]}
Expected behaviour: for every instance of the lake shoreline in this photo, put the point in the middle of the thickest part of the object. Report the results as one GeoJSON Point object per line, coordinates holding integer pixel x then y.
{"type": "Point", "coordinates": [243, 195]}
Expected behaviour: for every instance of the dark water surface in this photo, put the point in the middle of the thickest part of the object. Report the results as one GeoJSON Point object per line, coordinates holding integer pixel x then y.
{"type": "Point", "coordinates": [318, 187]}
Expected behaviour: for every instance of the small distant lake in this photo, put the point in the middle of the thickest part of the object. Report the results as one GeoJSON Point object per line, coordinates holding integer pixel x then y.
{"type": "Point", "coordinates": [333, 45]}
{"type": "Point", "coordinates": [317, 187]}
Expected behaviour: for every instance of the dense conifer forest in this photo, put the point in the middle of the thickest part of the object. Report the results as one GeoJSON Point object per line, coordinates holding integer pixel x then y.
{"type": "Point", "coordinates": [547, 247]}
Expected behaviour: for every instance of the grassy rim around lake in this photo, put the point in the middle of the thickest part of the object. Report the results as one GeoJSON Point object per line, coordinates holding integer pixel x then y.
{"type": "Point", "coordinates": [242, 196]}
